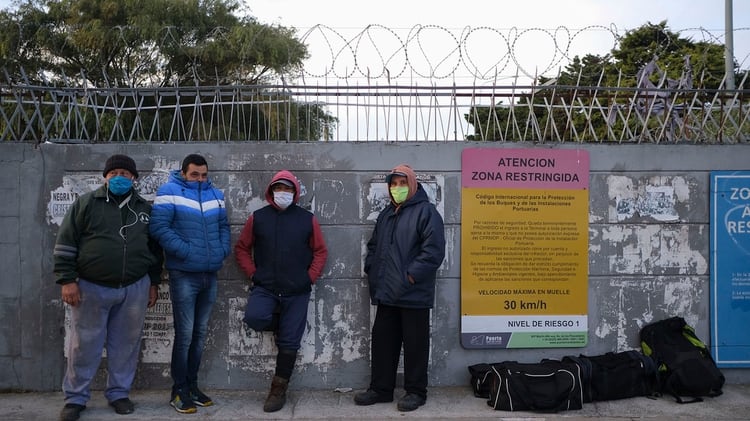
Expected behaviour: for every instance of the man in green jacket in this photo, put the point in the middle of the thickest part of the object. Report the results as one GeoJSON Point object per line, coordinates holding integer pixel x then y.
{"type": "Point", "coordinates": [109, 269]}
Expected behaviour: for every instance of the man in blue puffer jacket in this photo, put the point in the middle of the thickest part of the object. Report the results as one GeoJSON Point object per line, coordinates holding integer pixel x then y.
{"type": "Point", "coordinates": [403, 255]}
{"type": "Point", "coordinates": [189, 219]}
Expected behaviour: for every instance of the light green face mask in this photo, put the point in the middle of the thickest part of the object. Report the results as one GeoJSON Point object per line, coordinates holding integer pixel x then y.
{"type": "Point", "coordinates": [399, 194]}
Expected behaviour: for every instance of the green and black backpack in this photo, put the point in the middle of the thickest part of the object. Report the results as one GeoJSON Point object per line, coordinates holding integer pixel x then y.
{"type": "Point", "coordinates": [685, 365]}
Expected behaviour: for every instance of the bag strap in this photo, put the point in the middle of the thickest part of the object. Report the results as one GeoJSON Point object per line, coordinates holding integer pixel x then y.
{"type": "Point", "coordinates": [669, 388]}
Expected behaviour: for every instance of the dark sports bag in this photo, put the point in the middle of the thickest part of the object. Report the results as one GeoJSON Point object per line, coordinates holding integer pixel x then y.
{"type": "Point", "coordinates": [584, 364]}
{"type": "Point", "coordinates": [547, 386]}
{"type": "Point", "coordinates": [685, 365]}
{"type": "Point", "coordinates": [616, 375]}
{"type": "Point", "coordinates": [480, 379]}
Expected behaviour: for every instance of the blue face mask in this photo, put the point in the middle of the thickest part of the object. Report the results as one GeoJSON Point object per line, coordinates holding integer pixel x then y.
{"type": "Point", "coordinates": [119, 185]}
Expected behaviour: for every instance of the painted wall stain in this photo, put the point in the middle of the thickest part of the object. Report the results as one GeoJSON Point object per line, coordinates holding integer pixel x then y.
{"type": "Point", "coordinates": [655, 198]}
{"type": "Point", "coordinates": [639, 303]}
{"type": "Point", "coordinates": [338, 265]}
{"type": "Point", "coordinates": [62, 197]}
{"type": "Point", "coordinates": [149, 182]}
{"type": "Point", "coordinates": [653, 249]}
{"type": "Point", "coordinates": [240, 196]}
{"type": "Point", "coordinates": [330, 208]}
{"type": "Point", "coordinates": [450, 246]}
{"type": "Point", "coordinates": [338, 339]}
{"type": "Point", "coordinates": [679, 297]}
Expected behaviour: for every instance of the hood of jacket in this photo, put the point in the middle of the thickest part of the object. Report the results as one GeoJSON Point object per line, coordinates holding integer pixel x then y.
{"type": "Point", "coordinates": [411, 180]}
{"type": "Point", "coordinates": [282, 175]}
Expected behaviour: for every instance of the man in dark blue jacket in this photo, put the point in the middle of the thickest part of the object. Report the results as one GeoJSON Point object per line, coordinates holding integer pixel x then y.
{"type": "Point", "coordinates": [403, 255]}
{"type": "Point", "coordinates": [189, 219]}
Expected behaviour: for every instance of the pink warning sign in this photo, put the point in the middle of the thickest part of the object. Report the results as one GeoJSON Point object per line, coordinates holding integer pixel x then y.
{"type": "Point", "coordinates": [525, 168]}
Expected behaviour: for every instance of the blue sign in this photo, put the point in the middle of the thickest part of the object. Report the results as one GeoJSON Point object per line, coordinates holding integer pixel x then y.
{"type": "Point", "coordinates": [730, 268]}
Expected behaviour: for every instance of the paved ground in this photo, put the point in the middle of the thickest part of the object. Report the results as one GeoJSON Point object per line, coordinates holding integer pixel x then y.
{"type": "Point", "coordinates": [447, 403]}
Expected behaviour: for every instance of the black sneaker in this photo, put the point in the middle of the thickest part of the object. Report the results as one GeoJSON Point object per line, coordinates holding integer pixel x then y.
{"type": "Point", "coordinates": [371, 397]}
{"type": "Point", "coordinates": [410, 402]}
{"type": "Point", "coordinates": [182, 403]}
{"type": "Point", "coordinates": [199, 398]}
{"type": "Point", "coordinates": [123, 406]}
{"type": "Point", "coordinates": [71, 411]}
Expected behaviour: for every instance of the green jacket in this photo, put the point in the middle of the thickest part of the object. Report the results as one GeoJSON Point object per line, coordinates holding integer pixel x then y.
{"type": "Point", "coordinates": [106, 243]}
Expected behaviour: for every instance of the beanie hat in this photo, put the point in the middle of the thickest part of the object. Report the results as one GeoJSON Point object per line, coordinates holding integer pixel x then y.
{"type": "Point", "coordinates": [123, 162]}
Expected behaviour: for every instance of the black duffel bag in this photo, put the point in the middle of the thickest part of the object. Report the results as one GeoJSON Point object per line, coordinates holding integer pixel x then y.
{"type": "Point", "coordinates": [618, 375]}
{"type": "Point", "coordinates": [546, 386]}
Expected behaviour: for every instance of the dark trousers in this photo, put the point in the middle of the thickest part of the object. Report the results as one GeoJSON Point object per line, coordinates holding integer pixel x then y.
{"type": "Point", "coordinates": [394, 327]}
{"type": "Point", "coordinates": [261, 304]}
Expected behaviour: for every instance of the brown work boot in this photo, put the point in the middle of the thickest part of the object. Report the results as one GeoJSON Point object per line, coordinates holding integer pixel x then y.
{"type": "Point", "coordinates": [277, 395]}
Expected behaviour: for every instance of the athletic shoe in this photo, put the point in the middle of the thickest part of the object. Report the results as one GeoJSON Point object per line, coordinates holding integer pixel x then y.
{"type": "Point", "coordinates": [183, 404]}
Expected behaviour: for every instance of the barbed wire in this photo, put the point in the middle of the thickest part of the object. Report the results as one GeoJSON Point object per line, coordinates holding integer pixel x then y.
{"type": "Point", "coordinates": [438, 53]}
{"type": "Point", "coordinates": [480, 53]}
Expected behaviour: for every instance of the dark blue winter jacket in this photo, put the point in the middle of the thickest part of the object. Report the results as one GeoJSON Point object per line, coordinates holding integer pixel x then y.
{"type": "Point", "coordinates": [408, 240]}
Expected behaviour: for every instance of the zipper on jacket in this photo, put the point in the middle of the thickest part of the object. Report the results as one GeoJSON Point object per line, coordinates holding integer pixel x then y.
{"type": "Point", "coordinates": [395, 228]}
{"type": "Point", "coordinates": [203, 224]}
{"type": "Point", "coordinates": [124, 238]}
{"type": "Point", "coordinates": [124, 260]}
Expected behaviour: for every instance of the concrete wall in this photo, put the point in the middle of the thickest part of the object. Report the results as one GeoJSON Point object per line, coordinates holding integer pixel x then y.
{"type": "Point", "coordinates": [642, 266]}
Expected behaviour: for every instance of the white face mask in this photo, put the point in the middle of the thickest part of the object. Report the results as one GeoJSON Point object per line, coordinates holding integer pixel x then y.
{"type": "Point", "coordinates": [283, 198]}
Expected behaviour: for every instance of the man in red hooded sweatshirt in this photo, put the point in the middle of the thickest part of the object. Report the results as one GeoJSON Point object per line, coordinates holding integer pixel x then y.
{"type": "Point", "coordinates": [281, 250]}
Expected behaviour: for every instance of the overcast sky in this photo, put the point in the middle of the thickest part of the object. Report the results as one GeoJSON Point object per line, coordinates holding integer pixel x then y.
{"type": "Point", "coordinates": [502, 13]}
{"type": "Point", "coordinates": [348, 16]}
{"type": "Point", "coordinates": [548, 14]}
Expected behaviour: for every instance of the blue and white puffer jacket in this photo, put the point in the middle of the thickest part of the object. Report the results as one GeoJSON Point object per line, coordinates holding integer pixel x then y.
{"type": "Point", "coordinates": [189, 219]}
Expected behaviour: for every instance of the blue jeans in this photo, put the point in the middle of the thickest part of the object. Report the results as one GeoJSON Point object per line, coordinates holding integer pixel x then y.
{"type": "Point", "coordinates": [261, 304]}
{"type": "Point", "coordinates": [111, 318]}
{"type": "Point", "coordinates": [193, 295]}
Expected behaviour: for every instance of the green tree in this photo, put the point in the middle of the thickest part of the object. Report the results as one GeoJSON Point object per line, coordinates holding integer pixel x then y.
{"type": "Point", "coordinates": [153, 43]}
{"type": "Point", "coordinates": [583, 83]}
